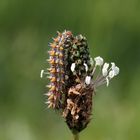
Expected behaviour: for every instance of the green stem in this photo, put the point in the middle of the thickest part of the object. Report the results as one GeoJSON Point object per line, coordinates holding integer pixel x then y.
{"type": "Point", "coordinates": [76, 136]}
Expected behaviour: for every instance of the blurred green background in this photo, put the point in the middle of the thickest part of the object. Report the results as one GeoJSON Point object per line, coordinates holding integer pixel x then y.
{"type": "Point", "coordinates": [112, 28]}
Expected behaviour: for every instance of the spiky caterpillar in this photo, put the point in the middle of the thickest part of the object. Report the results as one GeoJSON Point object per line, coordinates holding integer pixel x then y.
{"type": "Point", "coordinates": [56, 70]}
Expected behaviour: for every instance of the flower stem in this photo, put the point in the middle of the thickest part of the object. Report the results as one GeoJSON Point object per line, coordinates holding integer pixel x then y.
{"type": "Point", "coordinates": [76, 136]}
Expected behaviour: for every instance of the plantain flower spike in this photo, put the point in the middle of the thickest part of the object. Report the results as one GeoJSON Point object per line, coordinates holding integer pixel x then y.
{"type": "Point", "coordinates": [74, 78]}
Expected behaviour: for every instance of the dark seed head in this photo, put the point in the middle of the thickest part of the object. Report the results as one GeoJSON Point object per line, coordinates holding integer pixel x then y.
{"type": "Point", "coordinates": [67, 89]}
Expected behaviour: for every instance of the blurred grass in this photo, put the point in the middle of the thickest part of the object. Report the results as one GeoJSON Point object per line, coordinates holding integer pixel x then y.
{"type": "Point", "coordinates": [112, 28]}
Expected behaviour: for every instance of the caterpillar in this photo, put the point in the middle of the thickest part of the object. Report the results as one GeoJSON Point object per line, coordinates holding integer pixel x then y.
{"type": "Point", "coordinates": [57, 69]}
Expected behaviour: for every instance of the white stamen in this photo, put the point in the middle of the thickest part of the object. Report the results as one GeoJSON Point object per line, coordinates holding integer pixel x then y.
{"type": "Point", "coordinates": [113, 65]}
{"type": "Point", "coordinates": [107, 81]}
{"type": "Point", "coordinates": [99, 61]}
{"type": "Point", "coordinates": [116, 70]}
{"type": "Point", "coordinates": [88, 80]}
{"type": "Point", "coordinates": [48, 102]}
{"type": "Point", "coordinates": [86, 67]}
{"type": "Point", "coordinates": [91, 61]}
{"type": "Point", "coordinates": [111, 74]}
{"type": "Point", "coordinates": [107, 73]}
{"type": "Point", "coordinates": [105, 69]}
{"type": "Point", "coordinates": [41, 73]}
{"type": "Point", "coordinates": [73, 67]}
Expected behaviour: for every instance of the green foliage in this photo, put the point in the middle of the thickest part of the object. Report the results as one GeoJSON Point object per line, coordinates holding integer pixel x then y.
{"type": "Point", "coordinates": [112, 28]}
